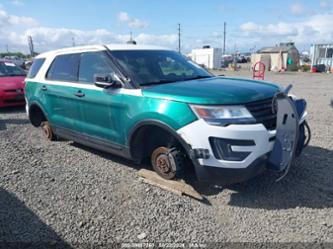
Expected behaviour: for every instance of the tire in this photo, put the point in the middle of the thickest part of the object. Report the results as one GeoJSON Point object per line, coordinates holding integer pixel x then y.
{"type": "Point", "coordinates": [48, 132]}
{"type": "Point", "coordinates": [166, 162]}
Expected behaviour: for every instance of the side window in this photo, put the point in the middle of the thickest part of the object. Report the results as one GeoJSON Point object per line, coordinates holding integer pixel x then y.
{"type": "Point", "coordinates": [329, 53]}
{"type": "Point", "coordinates": [35, 67]}
{"type": "Point", "coordinates": [93, 63]}
{"type": "Point", "coordinates": [322, 52]}
{"type": "Point", "coordinates": [64, 68]}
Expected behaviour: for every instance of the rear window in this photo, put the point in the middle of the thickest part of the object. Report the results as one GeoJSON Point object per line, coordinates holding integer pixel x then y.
{"type": "Point", "coordinates": [35, 67]}
{"type": "Point", "coordinates": [64, 68]}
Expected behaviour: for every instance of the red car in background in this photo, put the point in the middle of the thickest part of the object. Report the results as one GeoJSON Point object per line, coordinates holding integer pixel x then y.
{"type": "Point", "coordinates": [11, 84]}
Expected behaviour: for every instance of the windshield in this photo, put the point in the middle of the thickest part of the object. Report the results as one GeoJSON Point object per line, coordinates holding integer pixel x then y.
{"type": "Point", "coordinates": [10, 69]}
{"type": "Point", "coordinates": [150, 67]}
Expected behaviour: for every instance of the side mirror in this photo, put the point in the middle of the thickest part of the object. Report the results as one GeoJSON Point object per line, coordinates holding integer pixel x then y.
{"type": "Point", "coordinates": [107, 81]}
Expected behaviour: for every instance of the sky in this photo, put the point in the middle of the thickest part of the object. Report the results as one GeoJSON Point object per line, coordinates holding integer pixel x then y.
{"type": "Point", "coordinates": [250, 24]}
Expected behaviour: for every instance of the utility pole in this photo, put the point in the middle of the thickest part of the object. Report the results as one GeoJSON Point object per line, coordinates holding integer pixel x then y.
{"type": "Point", "coordinates": [31, 46]}
{"type": "Point", "coordinates": [131, 40]}
{"type": "Point", "coordinates": [224, 36]}
{"type": "Point", "coordinates": [7, 49]}
{"type": "Point", "coordinates": [179, 42]}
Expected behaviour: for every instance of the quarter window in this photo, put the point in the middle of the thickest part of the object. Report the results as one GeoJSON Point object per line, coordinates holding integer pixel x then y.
{"type": "Point", "coordinates": [35, 67]}
{"type": "Point", "coordinates": [93, 63]}
{"type": "Point", "coordinates": [64, 68]}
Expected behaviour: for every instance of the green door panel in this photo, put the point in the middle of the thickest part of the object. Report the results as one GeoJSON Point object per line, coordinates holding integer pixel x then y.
{"type": "Point", "coordinates": [110, 114]}
{"type": "Point", "coordinates": [57, 101]}
{"type": "Point", "coordinates": [101, 112]}
{"type": "Point", "coordinates": [63, 107]}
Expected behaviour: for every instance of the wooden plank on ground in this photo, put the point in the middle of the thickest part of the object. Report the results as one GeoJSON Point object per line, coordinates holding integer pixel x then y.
{"type": "Point", "coordinates": [177, 187]}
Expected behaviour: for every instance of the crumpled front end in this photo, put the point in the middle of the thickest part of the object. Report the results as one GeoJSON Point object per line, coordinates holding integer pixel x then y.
{"type": "Point", "coordinates": [234, 153]}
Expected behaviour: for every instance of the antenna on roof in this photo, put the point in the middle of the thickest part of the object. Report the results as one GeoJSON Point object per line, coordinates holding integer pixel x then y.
{"type": "Point", "coordinates": [131, 41]}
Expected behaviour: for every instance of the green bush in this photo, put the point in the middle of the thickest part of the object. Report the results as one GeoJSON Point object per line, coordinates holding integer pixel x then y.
{"type": "Point", "coordinates": [305, 68]}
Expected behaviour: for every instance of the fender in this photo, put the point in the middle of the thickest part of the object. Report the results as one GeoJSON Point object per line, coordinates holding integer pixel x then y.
{"type": "Point", "coordinates": [162, 125]}
{"type": "Point", "coordinates": [36, 103]}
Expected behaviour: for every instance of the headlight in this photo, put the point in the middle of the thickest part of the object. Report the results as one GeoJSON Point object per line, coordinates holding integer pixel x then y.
{"type": "Point", "coordinates": [224, 115]}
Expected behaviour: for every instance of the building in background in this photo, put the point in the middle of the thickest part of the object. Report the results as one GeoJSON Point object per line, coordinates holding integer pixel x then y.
{"type": "Point", "coordinates": [208, 57]}
{"type": "Point", "coordinates": [284, 57]}
{"type": "Point", "coordinates": [321, 56]}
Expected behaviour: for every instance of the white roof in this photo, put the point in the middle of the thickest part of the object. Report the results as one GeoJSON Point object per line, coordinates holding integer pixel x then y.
{"type": "Point", "coordinates": [134, 47]}
{"type": "Point", "coordinates": [89, 48]}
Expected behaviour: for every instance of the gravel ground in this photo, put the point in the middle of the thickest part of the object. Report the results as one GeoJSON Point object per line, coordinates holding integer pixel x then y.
{"type": "Point", "coordinates": [61, 191]}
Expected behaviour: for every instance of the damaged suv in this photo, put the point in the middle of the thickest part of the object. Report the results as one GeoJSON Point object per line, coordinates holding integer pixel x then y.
{"type": "Point", "coordinates": [145, 102]}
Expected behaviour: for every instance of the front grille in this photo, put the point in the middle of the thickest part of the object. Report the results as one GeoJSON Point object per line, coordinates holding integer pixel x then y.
{"type": "Point", "coordinates": [263, 113]}
{"type": "Point", "coordinates": [10, 101]}
{"type": "Point", "coordinates": [222, 148]}
{"type": "Point", "coordinates": [14, 90]}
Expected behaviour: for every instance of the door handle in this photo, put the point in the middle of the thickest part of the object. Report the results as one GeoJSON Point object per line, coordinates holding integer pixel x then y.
{"type": "Point", "coordinates": [79, 94]}
{"type": "Point", "coordinates": [44, 88]}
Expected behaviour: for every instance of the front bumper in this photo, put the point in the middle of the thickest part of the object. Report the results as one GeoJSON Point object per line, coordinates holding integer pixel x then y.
{"type": "Point", "coordinates": [224, 172]}
{"type": "Point", "coordinates": [198, 134]}
{"type": "Point", "coordinates": [8, 99]}
{"type": "Point", "coordinates": [228, 176]}
{"type": "Point", "coordinates": [211, 168]}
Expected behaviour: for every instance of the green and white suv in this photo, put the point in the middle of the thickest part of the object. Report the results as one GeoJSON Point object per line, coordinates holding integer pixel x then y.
{"type": "Point", "coordinates": [144, 102]}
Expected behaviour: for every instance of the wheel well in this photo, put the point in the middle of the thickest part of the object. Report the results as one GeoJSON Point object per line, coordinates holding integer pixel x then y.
{"type": "Point", "coordinates": [36, 115]}
{"type": "Point", "coordinates": [147, 138]}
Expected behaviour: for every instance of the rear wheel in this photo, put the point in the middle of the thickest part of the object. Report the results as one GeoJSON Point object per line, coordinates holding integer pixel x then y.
{"type": "Point", "coordinates": [167, 162]}
{"type": "Point", "coordinates": [47, 131]}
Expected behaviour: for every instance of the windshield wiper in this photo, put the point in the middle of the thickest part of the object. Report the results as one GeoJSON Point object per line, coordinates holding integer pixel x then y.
{"type": "Point", "coordinates": [198, 77]}
{"type": "Point", "coordinates": [158, 82]}
{"type": "Point", "coordinates": [173, 81]}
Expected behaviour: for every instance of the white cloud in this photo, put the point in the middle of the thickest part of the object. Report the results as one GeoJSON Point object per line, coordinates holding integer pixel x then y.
{"type": "Point", "coordinates": [17, 2]}
{"type": "Point", "coordinates": [324, 4]}
{"type": "Point", "coordinates": [123, 17]}
{"type": "Point", "coordinates": [316, 29]}
{"type": "Point", "coordinates": [10, 28]}
{"type": "Point", "coordinates": [53, 38]}
{"type": "Point", "coordinates": [6, 20]}
{"type": "Point", "coordinates": [22, 20]}
{"type": "Point", "coordinates": [249, 27]}
{"type": "Point", "coordinates": [14, 31]}
{"type": "Point", "coordinates": [132, 22]}
{"type": "Point", "coordinates": [279, 29]}
{"type": "Point", "coordinates": [297, 9]}
{"type": "Point", "coordinates": [162, 40]}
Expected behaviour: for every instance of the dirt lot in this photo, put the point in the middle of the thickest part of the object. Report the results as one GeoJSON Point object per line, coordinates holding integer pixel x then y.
{"type": "Point", "coordinates": [65, 192]}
